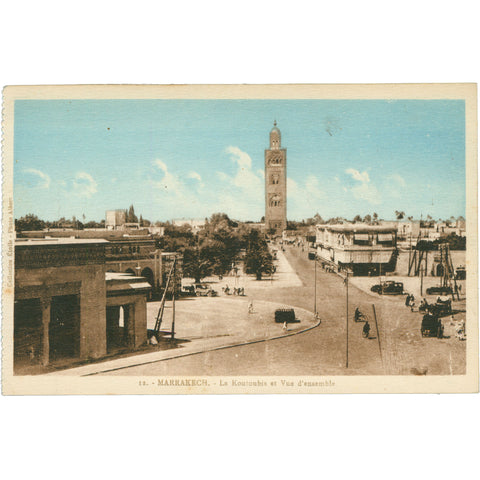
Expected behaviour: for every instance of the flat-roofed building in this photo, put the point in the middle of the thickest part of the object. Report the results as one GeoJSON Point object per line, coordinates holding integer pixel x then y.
{"type": "Point", "coordinates": [114, 219]}
{"type": "Point", "coordinates": [62, 292]}
{"type": "Point", "coordinates": [363, 249]}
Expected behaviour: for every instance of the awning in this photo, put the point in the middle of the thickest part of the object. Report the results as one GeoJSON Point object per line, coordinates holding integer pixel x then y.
{"type": "Point", "coordinates": [361, 236]}
{"type": "Point", "coordinates": [385, 237]}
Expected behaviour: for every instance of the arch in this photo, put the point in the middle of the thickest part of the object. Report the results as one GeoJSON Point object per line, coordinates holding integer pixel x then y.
{"type": "Point", "coordinates": [275, 200]}
{"type": "Point", "coordinates": [440, 270]}
{"type": "Point", "coordinates": [148, 274]}
{"type": "Point", "coordinates": [130, 271]}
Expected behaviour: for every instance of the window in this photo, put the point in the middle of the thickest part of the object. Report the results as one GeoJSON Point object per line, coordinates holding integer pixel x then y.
{"type": "Point", "coordinates": [275, 179]}
{"type": "Point", "coordinates": [275, 200]}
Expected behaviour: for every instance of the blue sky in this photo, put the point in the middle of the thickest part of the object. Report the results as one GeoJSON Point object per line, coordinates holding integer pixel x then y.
{"type": "Point", "coordinates": [191, 158]}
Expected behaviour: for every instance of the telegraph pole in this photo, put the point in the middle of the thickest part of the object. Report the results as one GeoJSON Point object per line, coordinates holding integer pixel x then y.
{"type": "Point", "coordinates": [346, 283]}
{"type": "Point", "coordinates": [173, 298]}
{"type": "Point", "coordinates": [315, 287]}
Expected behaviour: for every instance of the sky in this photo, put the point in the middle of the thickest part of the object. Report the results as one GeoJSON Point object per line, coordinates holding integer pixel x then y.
{"type": "Point", "coordinates": [191, 158]}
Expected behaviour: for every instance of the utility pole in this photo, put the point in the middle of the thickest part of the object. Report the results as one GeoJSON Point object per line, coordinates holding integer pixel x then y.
{"type": "Point", "coordinates": [421, 282]}
{"type": "Point", "coordinates": [346, 283]}
{"type": "Point", "coordinates": [378, 333]}
{"type": "Point", "coordinates": [315, 287]}
{"type": "Point", "coordinates": [173, 298]}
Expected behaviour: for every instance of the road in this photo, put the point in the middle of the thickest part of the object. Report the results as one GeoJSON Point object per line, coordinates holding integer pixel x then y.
{"type": "Point", "coordinates": [322, 351]}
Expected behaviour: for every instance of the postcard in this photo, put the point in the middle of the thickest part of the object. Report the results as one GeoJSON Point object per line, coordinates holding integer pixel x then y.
{"type": "Point", "coordinates": [191, 239]}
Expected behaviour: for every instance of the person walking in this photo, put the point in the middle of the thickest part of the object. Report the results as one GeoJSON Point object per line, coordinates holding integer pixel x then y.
{"type": "Point", "coordinates": [366, 330]}
{"type": "Point", "coordinates": [285, 327]}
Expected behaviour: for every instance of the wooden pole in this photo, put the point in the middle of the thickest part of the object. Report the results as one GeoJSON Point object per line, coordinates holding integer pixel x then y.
{"type": "Point", "coordinates": [378, 333]}
{"type": "Point", "coordinates": [421, 282]}
{"type": "Point", "coordinates": [315, 287]}
{"type": "Point", "coordinates": [346, 363]}
{"type": "Point", "coordinates": [173, 298]}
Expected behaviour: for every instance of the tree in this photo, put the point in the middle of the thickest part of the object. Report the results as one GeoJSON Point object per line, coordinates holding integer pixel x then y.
{"type": "Point", "coordinates": [195, 266]}
{"type": "Point", "coordinates": [29, 222]}
{"type": "Point", "coordinates": [258, 262]}
{"type": "Point", "coordinates": [258, 259]}
{"type": "Point", "coordinates": [367, 219]}
{"type": "Point", "coordinates": [357, 218]}
{"type": "Point", "coordinates": [375, 217]}
{"type": "Point", "coordinates": [399, 214]}
{"type": "Point", "coordinates": [131, 217]}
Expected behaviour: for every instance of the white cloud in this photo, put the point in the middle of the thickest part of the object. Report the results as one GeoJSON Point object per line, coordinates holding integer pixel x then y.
{"type": "Point", "coordinates": [44, 179]}
{"type": "Point", "coordinates": [170, 183]}
{"type": "Point", "coordinates": [364, 190]}
{"type": "Point", "coordinates": [196, 176]}
{"type": "Point", "coordinates": [356, 175]}
{"type": "Point", "coordinates": [84, 185]}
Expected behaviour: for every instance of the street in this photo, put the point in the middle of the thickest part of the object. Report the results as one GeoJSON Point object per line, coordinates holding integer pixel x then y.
{"type": "Point", "coordinates": [322, 351]}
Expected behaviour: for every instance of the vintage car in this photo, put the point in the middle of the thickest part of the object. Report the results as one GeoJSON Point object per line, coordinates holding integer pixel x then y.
{"type": "Point", "coordinates": [442, 307]}
{"type": "Point", "coordinates": [388, 287]}
{"type": "Point", "coordinates": [431, 326]}
{"type": "Point", "coordinates": [439, 291]}
{"type": "Point", "coordinates": [283, 315]}
{"type": "Point", "coordinates": [204, 290]}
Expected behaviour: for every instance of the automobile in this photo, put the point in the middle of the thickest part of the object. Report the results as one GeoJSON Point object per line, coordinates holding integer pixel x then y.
{"type": "Point", "coordinates": [188, 290]}
{"type": "Point", "coordinates": [388, 287]}
{"type": "Point", "coordinates": [460, 273]}
{"type": "Point", "coordinates": [439, 291]}
{"type": "Point", "coordinates": [283, 315]}
{"type": "Point", "coordinates": [431, 326]}
{"type": "Point", "coordinates": [204, 290]}
{"type": "Point", "coordinates": [442, 307]}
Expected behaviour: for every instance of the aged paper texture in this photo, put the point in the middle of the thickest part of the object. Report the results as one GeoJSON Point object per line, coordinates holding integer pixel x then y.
{"type": "Point", "coordinates": [240, 239]}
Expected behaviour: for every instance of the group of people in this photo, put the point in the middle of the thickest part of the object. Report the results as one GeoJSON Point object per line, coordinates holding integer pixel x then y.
{"type": "Point", "coordinates": [240, 291]}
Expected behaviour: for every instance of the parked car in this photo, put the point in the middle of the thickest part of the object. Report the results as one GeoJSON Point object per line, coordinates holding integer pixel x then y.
{"type": "Point", "coordinates": [188, 290]}
{"type": "Point", "coordinates": [439, 291]}
{"type": "Point", "coordinates": [204, 290]}
{"type": "Point", "coordinates": [431, 326]}
{"type": "Point", "coordinates": [388, 287]}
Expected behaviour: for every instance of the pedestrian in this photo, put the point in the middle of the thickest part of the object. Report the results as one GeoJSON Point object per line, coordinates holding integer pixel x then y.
{"type": "Point", "coordinates": [285, 328]}
{"type": "Point", "coordinates": [407, 301]}
{"type": "Point", "coordinates": [250, 307]}
{"type": "Point", "coordinates": [366, 330]}
{"type": "Point", "coordinates": [412, 306]}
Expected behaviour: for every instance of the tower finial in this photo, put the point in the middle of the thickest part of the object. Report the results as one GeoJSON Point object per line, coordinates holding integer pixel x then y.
{"type": "Point", "coordinates": [274, 123]}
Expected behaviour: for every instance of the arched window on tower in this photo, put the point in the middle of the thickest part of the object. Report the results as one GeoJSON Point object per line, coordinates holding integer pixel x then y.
{"type": "Point", "coordinates": [275, 200]}
{"type": "Point", "coordinates": [274, 179]}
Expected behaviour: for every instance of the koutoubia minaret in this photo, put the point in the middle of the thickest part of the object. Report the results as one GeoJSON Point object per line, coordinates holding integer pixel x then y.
{"type": "Point", "coordinates": [275, 183]}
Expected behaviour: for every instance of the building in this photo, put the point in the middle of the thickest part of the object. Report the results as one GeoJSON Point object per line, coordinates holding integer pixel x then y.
{"type": "Point", "coordinates": [114, 219]}
{"type": "Point", "coordinates": [196, 224]}
{"type": "Point", "coordinates": [63, 297]}
{"type": "Point", "coordinates": [363, 249]}
{"type": "Point", "coordinates": [275, 184]}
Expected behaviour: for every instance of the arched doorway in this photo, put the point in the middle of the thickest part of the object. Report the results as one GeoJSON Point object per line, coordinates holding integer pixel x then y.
{"type": "Point", "coordinates": [148, 274]}
{"type": "Point", "coordinates": [440, 270]}
{"type": "Point", "coordinates": [129, 271]}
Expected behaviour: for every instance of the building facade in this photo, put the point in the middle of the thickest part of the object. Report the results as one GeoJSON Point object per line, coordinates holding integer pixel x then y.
{"type": "Point", "coordinates": [275, 184]}
{"type": "Point", "coordinates": [63, 297]}
{"type": "Point", "coordinates": [114, 219]}
{"type": "Point", "coordinates": [362, 249]}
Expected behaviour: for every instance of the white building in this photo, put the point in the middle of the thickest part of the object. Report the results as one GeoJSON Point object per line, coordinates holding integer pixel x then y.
{"type": "Point", "coordinates": [363, 249]}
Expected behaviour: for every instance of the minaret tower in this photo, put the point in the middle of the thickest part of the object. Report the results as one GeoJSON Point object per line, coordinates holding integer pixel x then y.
{"type": "Point", "coordinates": [275, 184]}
